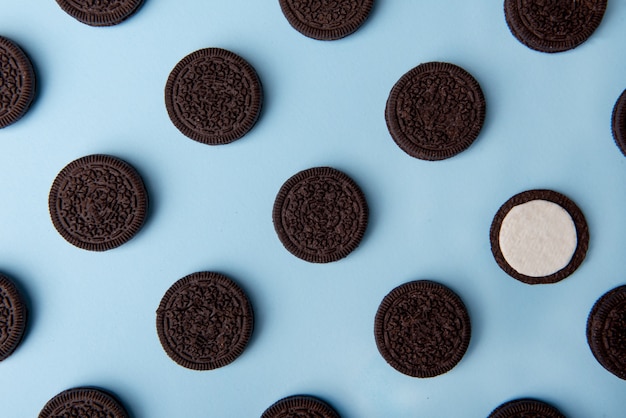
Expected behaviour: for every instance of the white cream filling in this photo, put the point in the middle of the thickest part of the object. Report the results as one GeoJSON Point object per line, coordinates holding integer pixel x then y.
{"type": "Point", "coordinates": [538, 238]}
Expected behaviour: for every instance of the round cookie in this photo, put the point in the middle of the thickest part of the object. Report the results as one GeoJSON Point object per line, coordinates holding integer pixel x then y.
{"type": "Point", "coordinates": [326, 20]}
{"type": "Point", "coordinates": [300, 406]}
{"type": "Point", "coordinates": [204, 321]}
{"type": "Point", "coordinates": [213, 96]}
{"type": "Point", "coordinates": [83, 402]}
{"type": "Point", "coordinates": [422, 329]}
{"type": "Point", "coordinates": [17, 82]}
{"type": "Point", "coordinates": [101, 12]}
{"type": "Point", "coordinates": [539, 237]}
{"type": "Point", "coordinates": [618, 122]}
{"type": "Point", "coordinates": [520, 408]}
{"type": "Point", "coordinates": [553, 26]}
{"type": "Point", "coordinates": [435, 111]}
{"type": "Point", "coordinates": [606, 331]}
{"type": "Point", "coordinates": [320, 215]}
{"type": "Point", "coordinates": [98, 202]}
{"type": "Point", "coordinates": [13, 317]}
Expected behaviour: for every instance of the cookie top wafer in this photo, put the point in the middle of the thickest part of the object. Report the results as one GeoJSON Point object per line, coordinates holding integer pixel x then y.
{"type": "Point", "coordinates": [526, 408]}
{"type": "Point", "coordinates": [13, 317]}
{"type": "Point", "coordinates": [326, 20]}
{"type": "Point", "coordinates": [98, 202]}
{"type": "Point", "coordinates": [618, 122]}
{"type": "Point", "coordinates": [422, 329]}
{"type": "Point", "coordinates": [101, 12]}
{"type": "Point", "coordinates": [320, 215]}
{"type": "Point", "coordinates": [553, 26]}
{"type": "Point", "coordinates": [204, 321]}
{"type": "Point", "coordinates": [435, 111]}
{"type": "Point", "coordinates": [606, 331]}
{"type": "Point", "coordinates": [213, 96]}
{"type": "Point", "coordinates": [302, 406]}
{"type": "Point", "coordinates": [17, 82]}
{"type": "Point", "coordinates": [83, 402]}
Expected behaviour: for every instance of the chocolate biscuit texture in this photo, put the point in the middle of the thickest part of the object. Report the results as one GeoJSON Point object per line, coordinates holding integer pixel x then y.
{"type": "Point", "coordinates": [526, 408]}
{"type": "Point", "coordinates": [83, 402]}
{"type": "Point", "coordinates": [553, 26]}
{"type": "Point", "coordinates": [204, 321]}
{"type": "Point", "coordinates": [435, 111]}
{"type": "Point", "coordinates": [422, 329]}
{"type": "Point", "coordinates": [213, 96]}
{"type": "Point", "coordinates": [13, 317]}
{"type": "Point", "coordinates": [100, 12]}
{"type": "Point", "coordinates": [326, 20]}
{"type": "Point", "coordinates": [300, 406]}
{"type": "Point", "coordinates": [618, 122]}
{"type": "Point", "coordinates": [17, 82]}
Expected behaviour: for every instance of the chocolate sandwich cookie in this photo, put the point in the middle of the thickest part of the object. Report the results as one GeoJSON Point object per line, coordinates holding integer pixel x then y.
{"type": "Point", "coordinates": [326, 20]}
{"type": "Point", "coordinates": [98, 202]}
{"type": "Point", "coordinates": [553, 26]}
{"type": "Point", "coordinates": [320, 215]}
{"type": "Point", "coordinates": [304, 406]}
{"type": "Point", "coordinates": [17, 82]}
{"type": "Point", "coordinates": [522, 408]}
{"type": "Point", "coordinates": [101, 12]}
{"type": "Point", "coordinates": [539, 236]}
{"type": "Point", "coordinates": [435, 111]}
{"type": "Point", "coordinates": [83, 402]}
{"type": "Point", "coordinates": [204, 321]}
{"type": "Point", "coordinates": [618, 122]}
{"type": "Point", "coordinates": [422, 329]}
{"type": "Point", "coordinates": [213, 96]}
{"type": "Point", "coordinates": [13, 317]}
{"type": "Point", "coordinates": [606, 331]}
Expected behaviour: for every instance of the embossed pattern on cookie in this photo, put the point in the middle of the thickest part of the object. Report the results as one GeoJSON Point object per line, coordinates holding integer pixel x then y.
{"type": "Point", "coordinates": [204, 321]}
{"type": "Point", "coordinates": [100, 12]}
{"type": "Point", "coordinates": [98, 202]}
{"type": "Point", "coordinates": [435, 111]}
{"type": "Point", "coordinates": [618, 122]}
{"type": "Point", "coordinates": [526, 408]}
{"type": "Point", "coordinates": [553, 26]}
{"type": "Point", "coordinates": [13, 317]}
{"type": "Point", "coordinates": [326, 20]}
{"type": "Point", "coordinates": [320, 215]}
{"type": "Point", "coordinates": [300, 406]}
{"type": "Point", "coordinates": [422, 329]}
{"type": "Point", "coordinates": [83, 402]}
{"type": "Point", "coordinates": [213, 96]}
{"type": "Point", "coordinates": [17, 82]}
{"type": "Point", "coordinates": [606, 331]}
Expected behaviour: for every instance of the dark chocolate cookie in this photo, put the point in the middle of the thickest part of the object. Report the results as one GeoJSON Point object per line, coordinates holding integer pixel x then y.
{"type": "Point", "coordinates": [98, 202]}
{"type": "Point", "coordinates": [17, 82]}
{"type": "Point", "coordinates": [435, 111]}
{"type": "Point", "coordinates": [320, 215]}
{"type": "Point", "coordinates": [326, 20]}
{"type": "Point", "coordinates": [606, 331]}
{"type": "Point", "coordinates": [13, 317]}
{"type": "Point", "coordinates": [204, 321]}
{"type": "Point", "coordinates": [553, 26]}
{"type": "Point", "coordinates": [83, 402]}
{"type": "Point", "coordinates": [618, 122]}
{"type": "Point", "coordinates": [539, 237]}
{"type": "Point", "coordinates": [422, 329]}
{"type": "Point", "coordinates": [213, 96]}
{"type": "Point", "coordinates": [526, 408]}
{"type": "Point", "coordinates": [301, 406]}
{"type": "Point", "coordinates": [100, 12]}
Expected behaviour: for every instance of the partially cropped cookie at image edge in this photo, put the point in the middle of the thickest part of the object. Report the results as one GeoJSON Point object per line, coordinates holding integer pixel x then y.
{"type": "Point", "coordinates": [17, 78]}
{"type": "Point", "coordinates": [98, 202]}
{"type": "Point", "coordinates": [606, 331]}
{"type": "Point", "coordinates": [213, 96]}
{"type": "Point", "coordinates": [320, 215]}
{"type": "Point", "coordinates": [539, 236]}
{"type": "Point", "coordinates": [84, 402]}
{"type": "Point", "coordinates": [326, 20]}
{"type": "Point", "coordinates": [522, 408]}
{"type": "Point", "coordinates": [435, 111]}
{"type": "Point", "coordinates": [13, 317]}
{"type": "Point", "coordinates": [618, 122]}
{"type": "Point", "coordinates": [422, 329]}
{"type": "Point", "coordinates": [204, 321]}
{"type": "Point", "coordinates": [553, 26]}
{"type": "Point", "coordinates": [101, 12]}
{"type": "Point", "coordinates": [304, 406]}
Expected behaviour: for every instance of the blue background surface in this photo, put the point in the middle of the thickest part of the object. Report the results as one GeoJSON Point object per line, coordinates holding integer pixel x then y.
{"type": "Point", "coordinates": [101, 91]}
